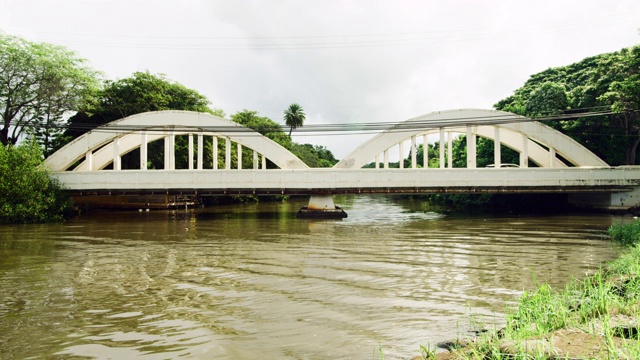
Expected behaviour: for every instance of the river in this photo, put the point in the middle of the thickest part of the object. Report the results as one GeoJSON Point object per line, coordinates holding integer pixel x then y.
{"type": "Point", "coordinates": [251, 281]}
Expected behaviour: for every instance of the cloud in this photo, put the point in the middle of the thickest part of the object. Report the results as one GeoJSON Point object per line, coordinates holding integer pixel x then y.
{"type": "Point", "coordinates": [343, 61]}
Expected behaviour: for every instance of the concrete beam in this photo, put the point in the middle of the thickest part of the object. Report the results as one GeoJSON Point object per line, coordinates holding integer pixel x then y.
{"type": "Point", "coordinates": [358, 180]}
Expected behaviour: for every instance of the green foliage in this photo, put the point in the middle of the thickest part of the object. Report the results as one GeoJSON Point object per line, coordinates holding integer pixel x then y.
{"type": "Point", "coordinates": [604, 82]}
{"type": "Point", "coordinates": [140, 93]}
{"type": "Point", "coordinates": [312, 155]}
{"type": "Point", "coordinates": [548, 99]}
{"type": "Point", "coordinates": [294, 117]}
{"type": "Point", "coordinates": [263, 125]}
{"type": "Point", "coordinates": [315, 156]}
{"type": "Point", "coordinates": [484, 154]}
{"type": "Point", "coordinates": [626, 234]}
{"type": "Point", "coordinates": [428, 353]}
{"type": "Point", "coordinates": [28, 194]}
{"type": "Point", "coordinates": [628, 263]}
{"type": "Point", "coordinates": [147, 92]}
{"type": "Point", "coordinates": [39, 84]}
{"type": "Point", "coordinates": [484, 157]}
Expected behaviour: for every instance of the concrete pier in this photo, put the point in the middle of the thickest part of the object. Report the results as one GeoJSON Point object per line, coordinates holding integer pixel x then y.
{"type": "Point", "coordinates": [321, 207]}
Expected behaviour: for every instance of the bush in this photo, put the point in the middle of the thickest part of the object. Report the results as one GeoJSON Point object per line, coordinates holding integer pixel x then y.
{"type": "Point", "coordinates": [27, 193]}
{"type": "Point", "coordinates": [626, 234]}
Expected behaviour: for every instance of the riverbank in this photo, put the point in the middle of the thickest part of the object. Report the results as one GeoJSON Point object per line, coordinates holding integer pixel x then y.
{"type": "Point", "coordinates": [595, 318]}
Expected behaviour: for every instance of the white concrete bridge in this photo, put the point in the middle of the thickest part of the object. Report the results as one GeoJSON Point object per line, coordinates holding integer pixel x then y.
{"type": "Point", "coordinates": [92, 163]}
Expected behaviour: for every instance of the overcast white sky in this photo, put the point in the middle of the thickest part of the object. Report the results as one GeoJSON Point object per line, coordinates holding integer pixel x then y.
{"type": "Point", "coordinates": [343, 61]}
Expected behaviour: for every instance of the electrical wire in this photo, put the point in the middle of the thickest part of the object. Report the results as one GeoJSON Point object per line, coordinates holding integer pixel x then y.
{"type": "Point", "coordinates": [411, 125]}
{"type": "Point", "coordinates": [339, 41]}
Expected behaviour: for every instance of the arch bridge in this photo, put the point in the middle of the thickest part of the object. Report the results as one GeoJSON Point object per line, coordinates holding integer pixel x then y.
{"type": "Point", "coordinates": [223, 158]}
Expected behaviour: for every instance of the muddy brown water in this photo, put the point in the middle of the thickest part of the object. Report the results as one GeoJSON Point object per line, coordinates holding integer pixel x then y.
{"type": "Point", "coordinates": [253, 282]}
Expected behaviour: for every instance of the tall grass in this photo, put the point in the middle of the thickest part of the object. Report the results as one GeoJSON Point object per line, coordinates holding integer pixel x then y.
{"type": "Point", "coordinates": [626, 234]}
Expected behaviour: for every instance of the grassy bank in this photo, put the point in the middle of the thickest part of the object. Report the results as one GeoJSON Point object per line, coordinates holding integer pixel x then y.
{"type": "Point", "coordinates": [593, 318]}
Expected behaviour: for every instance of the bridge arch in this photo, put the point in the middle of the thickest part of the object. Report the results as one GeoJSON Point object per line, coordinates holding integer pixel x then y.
{"type": "Point", "coordinates": [108, 143]}
{"type": "Point", "coordinates": [533, 140]}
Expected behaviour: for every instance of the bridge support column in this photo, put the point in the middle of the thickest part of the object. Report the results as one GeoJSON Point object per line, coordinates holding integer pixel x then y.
{"type": "Point", "coordinates": [116, 154]}
{"type": "Point", "coordinates": [321, 207]}
{"type": "Point", "coordinates": [214, 152]}
{"type": "Point", "coordinates": [190, 151]}
{"type": "Point", "coordinates": [497, 156]}
{"type": "Point", "coordinates": [471, 148]}
{"type": "Point", "coordinates": [255, 160]}
{"type": "Point", "coordinates": [200, 150]}
{"type": "Point", "coordinates": [449, 149]}
{"type": "Point", "coordinates": [144, 150]}
{"type": "Point", "coordinates": [170, 151]}
{"type": "Point", "coordinates": [414, 158]}
{"type": "Point", "coordinates": [227, 154]}
{"type": "Point", "coordinates": [88, 159]}
{"type": "Point", "coordinates": [524, 154]}
{"type": "Point", "coordinates": [425, 151]}
{"type": "Point", "coordinates": [386, 159]}
{"type": "Point", "coordinates": [441, 148]}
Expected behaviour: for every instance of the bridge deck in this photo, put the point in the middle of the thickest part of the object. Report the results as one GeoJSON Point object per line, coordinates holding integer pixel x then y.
{"type": "Point", "coordinates": [345, 181]}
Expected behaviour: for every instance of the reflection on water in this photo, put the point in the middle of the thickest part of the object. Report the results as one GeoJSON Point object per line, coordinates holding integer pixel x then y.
{"type": "Point", "coordinates": [252, 281]}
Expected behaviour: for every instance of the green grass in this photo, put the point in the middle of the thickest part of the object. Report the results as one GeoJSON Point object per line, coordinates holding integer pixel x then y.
{"type": "Point", "coordinates": [626, 234]}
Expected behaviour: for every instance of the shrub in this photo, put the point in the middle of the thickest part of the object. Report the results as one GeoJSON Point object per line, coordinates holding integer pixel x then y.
{"type": "Point", "coordinates": [27, 193]}
{"type": "Point", "coordinates": [626, 234]}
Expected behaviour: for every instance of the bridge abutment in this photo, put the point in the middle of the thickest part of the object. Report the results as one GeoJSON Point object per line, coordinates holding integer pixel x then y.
{"type": "Point", "coordinates": [321, 207]}
{"type": "Point", "coordinates": [609, 201]}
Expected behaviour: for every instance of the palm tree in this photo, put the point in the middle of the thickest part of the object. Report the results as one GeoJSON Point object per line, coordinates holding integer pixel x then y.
{"type": "Point", "coordinates": [294, 117]}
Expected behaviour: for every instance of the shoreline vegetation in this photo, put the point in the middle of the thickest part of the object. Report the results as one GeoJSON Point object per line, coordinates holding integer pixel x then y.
{"type": "Point", "coordinates": [29, 194]}
{"type": "Point", "coordinates": [593, 318]}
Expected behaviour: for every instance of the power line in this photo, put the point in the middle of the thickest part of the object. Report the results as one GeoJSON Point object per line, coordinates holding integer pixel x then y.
{"type": "Point", "coordinates": [330, 41]}
{"type": "Point", "coordinates": [411, 125]}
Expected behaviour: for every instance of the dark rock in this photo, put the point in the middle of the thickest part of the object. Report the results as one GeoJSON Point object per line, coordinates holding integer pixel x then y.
{"type": "Point", "coordinates": [452, 345]}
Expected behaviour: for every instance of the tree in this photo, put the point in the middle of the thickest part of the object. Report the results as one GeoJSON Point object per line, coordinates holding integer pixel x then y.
{"type": "Point", "coordinates": [139, 93]}
{"type": "Point", "coordinates": [606, 82]}
{"type": "Point", "coordinates": [547, 100]}
{"type": "Point", "coordinates": [29, 195]}
{"type": "Point", "coordinates": [624, 96]}
{"type": "Point", "coordinates": [263, 125]}
{"type": "Point", "coordinates": [294, 117]}
{"type": "Point", "coordinates": [315, 156]}
{"type": "Point", "coordinates": [312, 155]}
{"type": "Point", "coordinates": [40, 83]}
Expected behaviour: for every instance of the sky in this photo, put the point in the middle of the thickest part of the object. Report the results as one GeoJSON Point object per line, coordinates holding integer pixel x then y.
{"type": "Point", "coordinates": [343, 61]}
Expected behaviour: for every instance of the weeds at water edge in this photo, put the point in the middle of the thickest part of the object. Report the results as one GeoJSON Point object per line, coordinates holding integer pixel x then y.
{"type": "Point", "coordinates": [613, 292]}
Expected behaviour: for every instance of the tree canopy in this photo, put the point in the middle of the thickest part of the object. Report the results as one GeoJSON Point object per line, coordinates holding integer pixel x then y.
{"type": "Point", "coordinates": [40, 84]}
{"type": "Point", "coordinates": [600, 84]}
{"type": "Point", "coordinates": [142, 92]}
{"type": "Point", "coordinates": [263, 125]}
